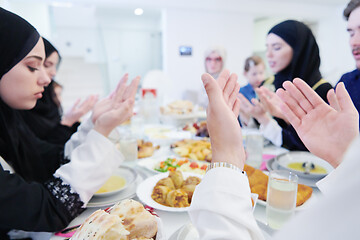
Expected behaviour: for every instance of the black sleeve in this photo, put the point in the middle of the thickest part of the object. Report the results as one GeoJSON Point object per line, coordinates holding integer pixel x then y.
{"type": "Point", "coordinates": [47, 207]}
{"type": "Point", "coordinates": [291, 140]}
{"type": "Point", "coordinates": [60, 134]}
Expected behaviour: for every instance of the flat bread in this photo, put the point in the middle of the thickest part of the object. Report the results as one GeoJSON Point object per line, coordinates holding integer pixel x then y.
{"type": "Point", "coordinates": [101, 225]}
{"type": "Point", "coordinates": [136, 219]}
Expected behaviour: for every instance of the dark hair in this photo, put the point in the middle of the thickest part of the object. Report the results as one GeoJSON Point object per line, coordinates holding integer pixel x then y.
{"type": "Point", "coordinates": [252, 61]}
{"type": "Point", "coordinates": [352, 5]}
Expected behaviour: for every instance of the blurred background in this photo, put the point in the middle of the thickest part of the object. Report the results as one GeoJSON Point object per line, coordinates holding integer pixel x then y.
{"type": "Point", "coordinates": [100, 40]}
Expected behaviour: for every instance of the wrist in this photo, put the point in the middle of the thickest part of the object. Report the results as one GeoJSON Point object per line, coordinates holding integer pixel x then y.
{"type": "Point", "coordinates": [236, 159]}
{"type": "Point", "coordinates": [264, 119]}
{"type": "Point", "coordinates": [105, 131]}
{"type": "Point", "coordinates": [224, 165]}
{"type": "Point", "coordinates": [65, 121]}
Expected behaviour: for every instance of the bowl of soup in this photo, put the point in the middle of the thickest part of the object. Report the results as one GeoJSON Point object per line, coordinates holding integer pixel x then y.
{"type": "Point", "coordinates": [121, 179]}
{"type": "Point", "coordinates": [294, 161]}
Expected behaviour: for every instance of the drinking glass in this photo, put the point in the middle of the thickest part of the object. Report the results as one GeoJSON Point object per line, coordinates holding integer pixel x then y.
{"type": "Point", "coordinates": [254, 144]}
{"type": "Point", "coordinates": [128, 147]}
{"type": "Point", "coordinates": [281, 197]}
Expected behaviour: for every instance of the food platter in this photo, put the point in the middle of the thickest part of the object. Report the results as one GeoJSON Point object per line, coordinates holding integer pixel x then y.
{"type": "Point", "coordinates": [151, 163]}
{"type": "Point", "coordinates": [145, 189]}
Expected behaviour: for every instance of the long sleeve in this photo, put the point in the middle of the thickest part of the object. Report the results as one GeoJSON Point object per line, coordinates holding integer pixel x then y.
{"type": "Point", "coordinates": [221, 207]}
{"type": "Point", "coordinates": [32, 206]}
{"type": "Point", "coordinates": [78, 137]}
{"type": "Point", "coordinates": [273, 132]}
{"type": "Point", "coordinates": [91, 164]}
{"type": "Point", "coordinates": [48, 207]}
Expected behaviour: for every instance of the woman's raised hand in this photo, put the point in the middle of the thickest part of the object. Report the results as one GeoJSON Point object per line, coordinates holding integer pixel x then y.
{"type": "Point", "coordinates": [327, 131]}
{"type": "Point", "coordinates": [117, 108]}
{"type": "Point", "coordinates": [78, 110]}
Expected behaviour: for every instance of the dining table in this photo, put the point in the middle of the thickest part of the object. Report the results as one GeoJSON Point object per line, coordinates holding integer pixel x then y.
{"type": "Point", "coordinates": [174, 222]}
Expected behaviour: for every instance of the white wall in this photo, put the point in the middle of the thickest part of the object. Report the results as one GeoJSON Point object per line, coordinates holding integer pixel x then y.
{"type": "Point", "coordinates": [333, 40]}
{"type": "Point", "coordinates": [36, 14]}
{"type": "Point", "coordinates": [200, 30]}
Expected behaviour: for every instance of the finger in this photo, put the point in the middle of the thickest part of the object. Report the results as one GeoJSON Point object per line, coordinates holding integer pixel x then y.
{"type": "Point", "coordinates": [90, 102]}
{"type": "Point", "coordinates": [294, 97]}
{"type": "Point", "coordinates": [244, 102]}
{"type": "Point", "coordinates": [345, 102]}
{"type": "Point", "coordinates": [297, 94]}
{"type": "Point", "coordinates": [76, 103]}
{"type": "Point", "coordinates": [333, 101]}
{"type": "Point", "coordinates": [286, 109]}
{"type": "Point", "coordinates": [229, 87]}
{"type": "Point", "coordinates": [130, 91]}
{"type": "Point", "coordinates": [266, 91]}
{"type": "Point", "coordinates": [263, 99]}
{"type": "Point", "coordinates": [236, 107]}
{"type": "Point", "coordinates": [120, 88]}
{"type": "Point", "coordinates": [233, 95]}
{"type": "Point", "coordinates": [313, 98]}
{"type": "Point", "coordinates": [223, 78]}
{"type": "Point", "coordinates": [212, 87]}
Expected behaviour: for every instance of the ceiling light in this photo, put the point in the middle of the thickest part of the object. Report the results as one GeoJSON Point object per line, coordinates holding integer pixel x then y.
{"type": "Point", "coordinates": [138, 11]}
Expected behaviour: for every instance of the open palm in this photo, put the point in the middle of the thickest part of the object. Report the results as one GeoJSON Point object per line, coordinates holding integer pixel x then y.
{"type": "Point", "coordinates": [326, 131]}
{"type": "Point", "coordinates": [117, 108]}
{"type": "Point", "coordinates": [271, 102]}
{"type": "Point", "coordinates": [222, 111]}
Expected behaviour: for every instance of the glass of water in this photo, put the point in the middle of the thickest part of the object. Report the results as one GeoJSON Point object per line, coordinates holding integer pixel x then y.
{"type": "Point", "coordinates": [281, 197]}
{"type": "Point", "coordinates": [254, 144]}
{"type": "Point", "coordinates": [128, 147]}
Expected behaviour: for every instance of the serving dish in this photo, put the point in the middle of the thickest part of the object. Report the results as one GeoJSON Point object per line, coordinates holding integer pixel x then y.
{"type": "Point", "coordinates": [151, 164]}
{"type": "Point", "coordinates": [144, 191]}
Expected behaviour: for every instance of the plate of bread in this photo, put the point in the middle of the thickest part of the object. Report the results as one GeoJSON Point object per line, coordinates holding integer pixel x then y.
{"type": "Point", "coordinates": [125, 220]}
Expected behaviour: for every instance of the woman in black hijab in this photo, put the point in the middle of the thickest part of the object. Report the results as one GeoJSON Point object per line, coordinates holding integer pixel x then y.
{"type": "Point", "coordinates": [292, 52]}
{"type": "Point", "coordinates": [45, 120]}
{"type": "Point", "coordinates": [41, 190]}
{"type": "Point", "coordinates": [305, 61]}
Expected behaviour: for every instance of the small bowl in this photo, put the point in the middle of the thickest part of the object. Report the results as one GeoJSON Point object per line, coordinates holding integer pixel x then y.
{"type": "Point", "coordinates": [127, 173]}
{"type": "Point", "coordinates": [301, 157]}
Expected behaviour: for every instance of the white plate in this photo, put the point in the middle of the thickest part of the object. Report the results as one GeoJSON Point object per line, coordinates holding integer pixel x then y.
{"type": "Point", "coordinates": [129, 192]}
{"type": "Point", "coordinates": [179, 120]}
{"type": "Point", "coordinates": [127, 173]}
{"type": "Point", "coordinates": [150, 163]}
{"type": "Point", "coordinates": [273, 165]}
{"type": "Point", "coordinates": [299, 156]}
{"type": "Point", "coordinates": [165, 134]}
{"type": "Point", "coordinates": [144, 191]}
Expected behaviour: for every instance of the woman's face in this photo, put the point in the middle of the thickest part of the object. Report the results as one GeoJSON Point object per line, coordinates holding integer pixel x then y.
{"type": "Point", "coordinates": [50, 64]}
{"type": "Point", "coordinates": [213, 63]}
{"type": "Point", "coordinates": [279, 54]}
{"type": "Point", "coordinates": [23, 85]}
{"type": "Point", "coordinates": [256, 75]}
